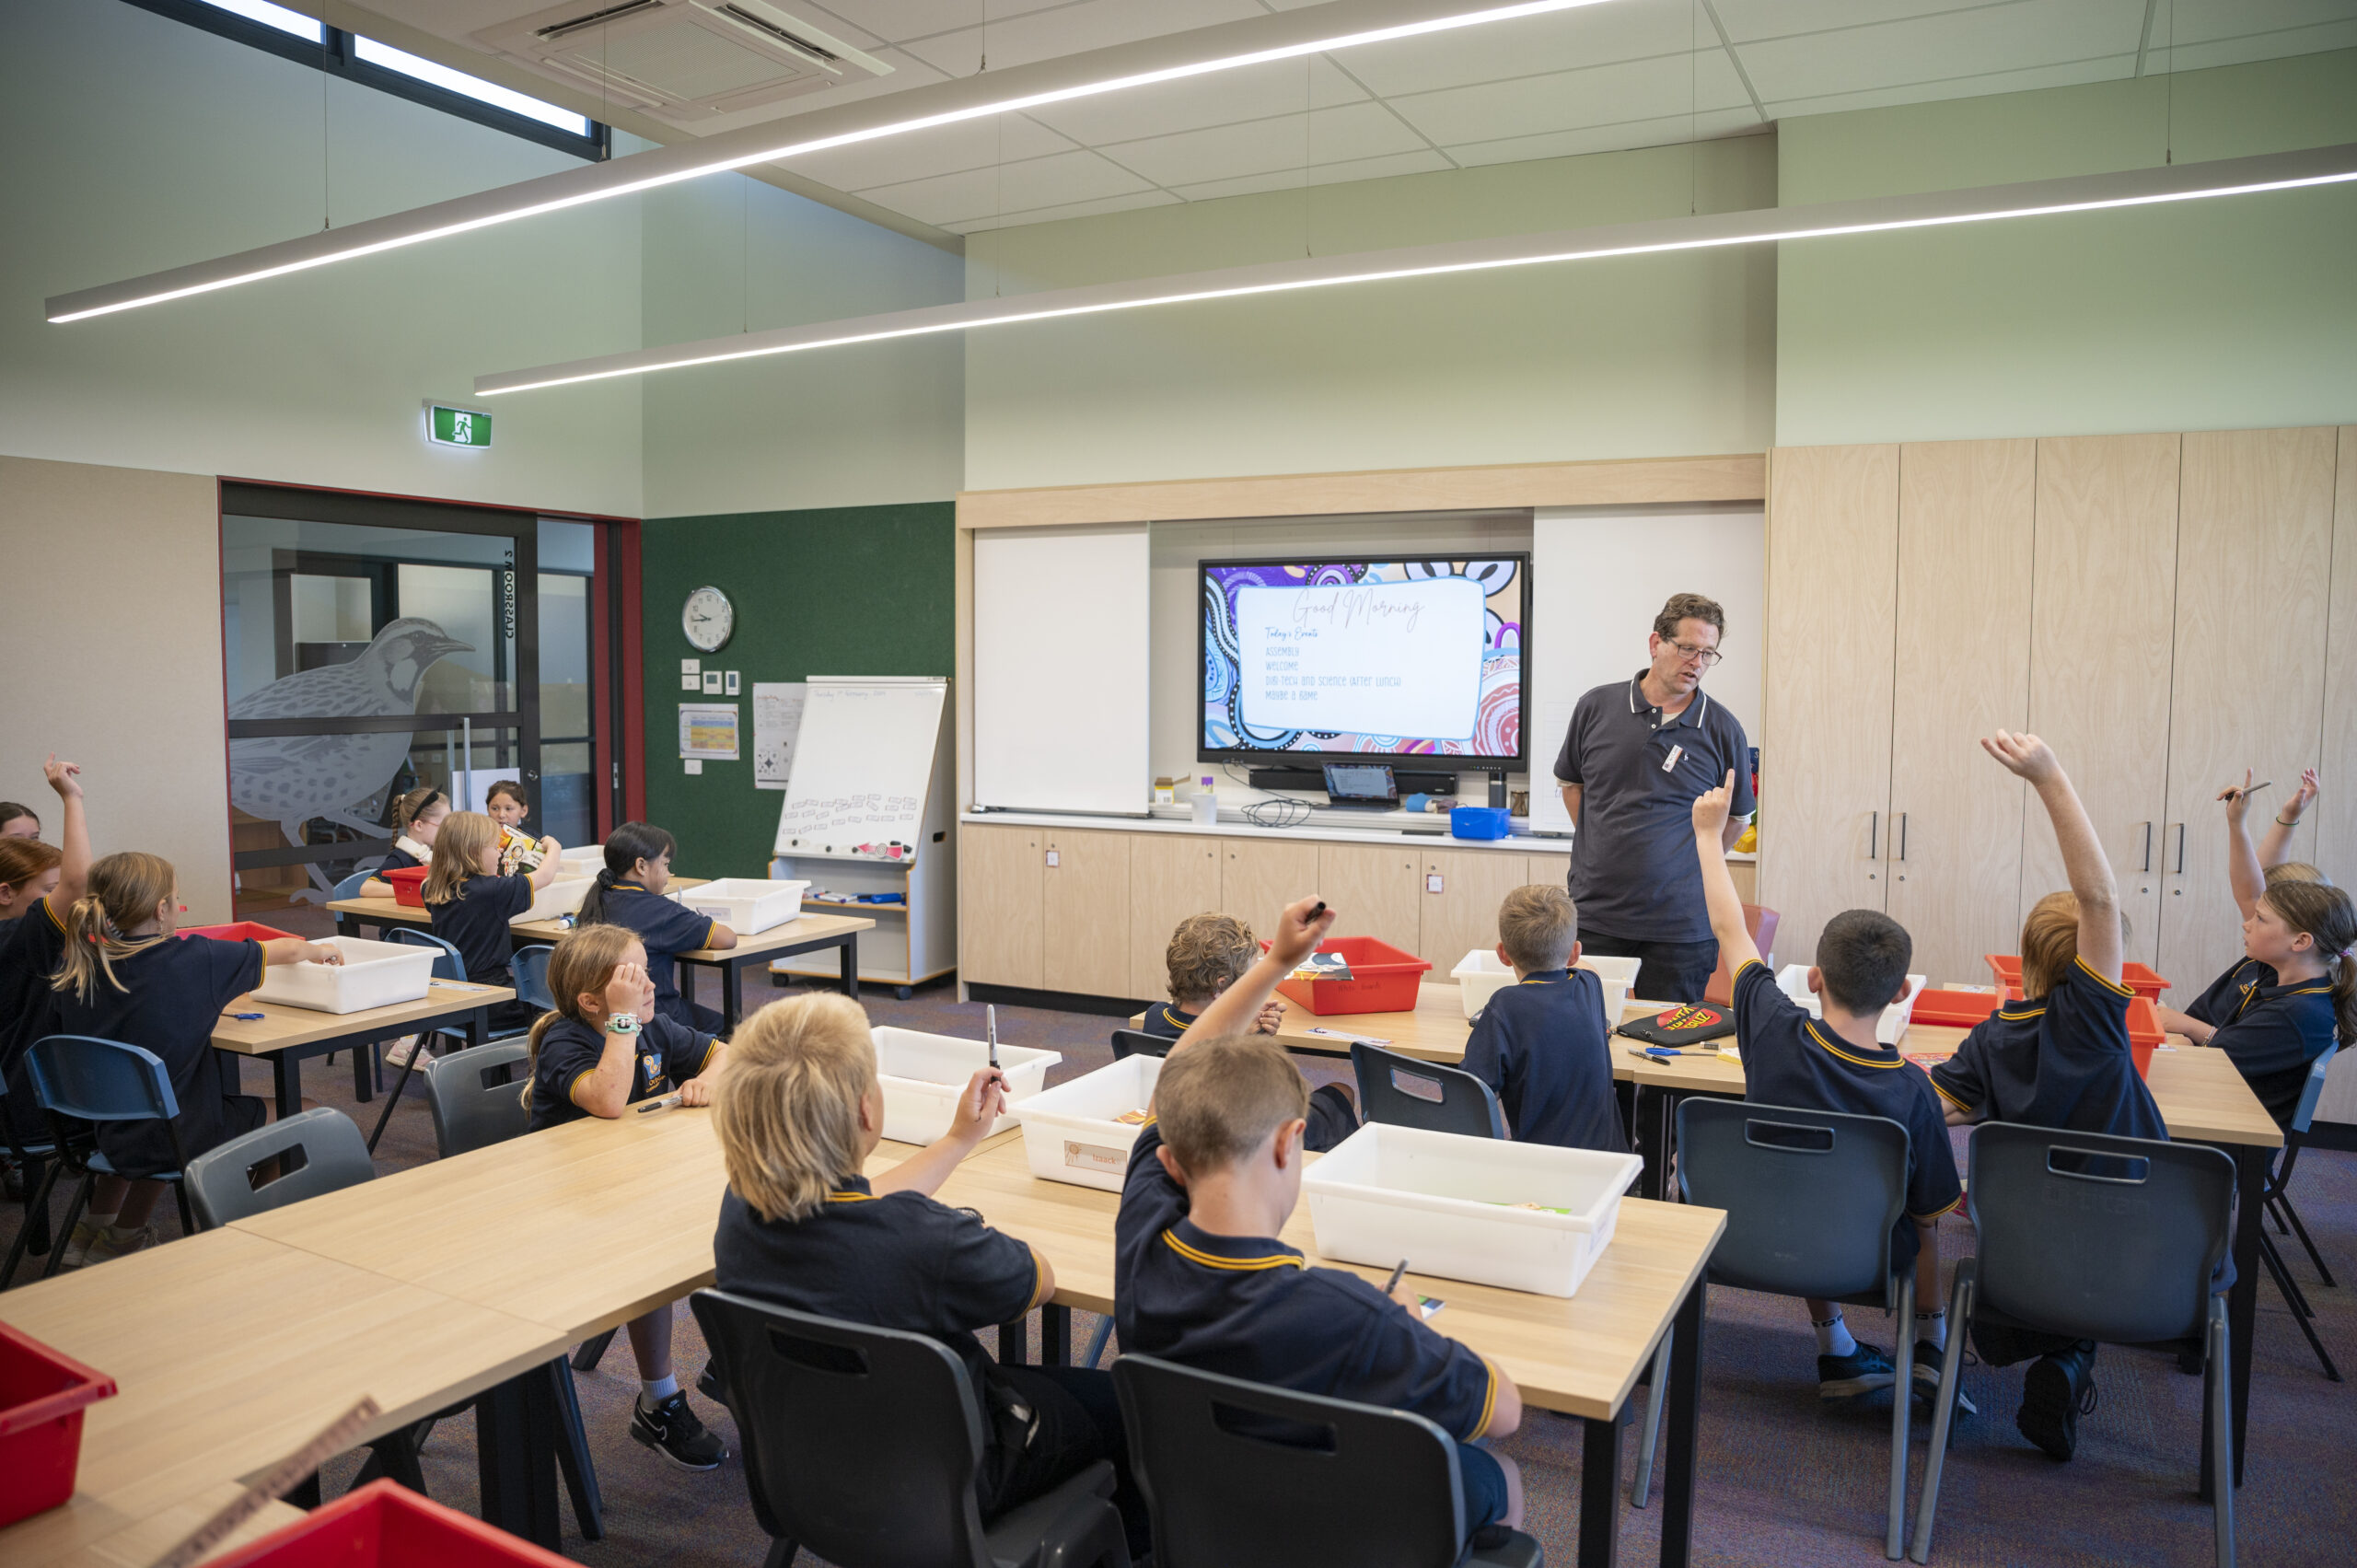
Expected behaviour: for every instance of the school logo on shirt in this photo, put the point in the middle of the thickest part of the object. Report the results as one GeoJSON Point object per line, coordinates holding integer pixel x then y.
{"type": "Point", "coordinates": [650, 1069]}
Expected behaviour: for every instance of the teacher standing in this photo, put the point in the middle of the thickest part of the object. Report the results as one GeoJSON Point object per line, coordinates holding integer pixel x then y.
{"type": "Point", "coordinates": [1637, 754]}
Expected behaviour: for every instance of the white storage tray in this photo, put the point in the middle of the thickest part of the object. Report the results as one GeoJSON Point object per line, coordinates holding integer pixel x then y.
{"type": "Point", "coordinates": [1481, 976]}
{"type": "Point", "coordinates": [1069, 1132]}
{"type": "Point", "coordinates": [923, 1075]}
{"type": "Point", "coordinates": [1443, 1201]}
{"type": "Point", "coordinates": [1620, 978]}
{"type": "Point", "coordinates": [747, 904]}
{"type": "Point", "coordinates": [1890, 1028]}
{"type": "Point", "coordinates": [560, 897]}
{"type": "Point", "coordinates": [583, 860]}
{"type": "Point", "coordinates": [373, 974]}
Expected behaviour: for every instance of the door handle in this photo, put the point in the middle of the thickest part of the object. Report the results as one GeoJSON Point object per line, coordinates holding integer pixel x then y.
{"type": "Point", "coordinates": [1902, 835]}
{"type": "Point", "coordinates": [2180, 849]}
{"type": "Point", "coordinates": [2148, 849]}
{"type": "Point", "coordinates": [1873, 836]}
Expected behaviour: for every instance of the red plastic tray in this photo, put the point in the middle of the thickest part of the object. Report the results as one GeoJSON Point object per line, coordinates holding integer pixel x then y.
{"type": "Point", "coordinates": [409, 885]}
{"type": "Point", "coordinates": [2143, 1034]}
{"type": "Point", "coordinates": [1383, 979]}
{"type": "Point", "coordinates": [239, 931]}
{"type": "Point", "coordinates": [42, 1397]}
{"type": "Point", "coordinates": [384, 1525]}
{"type": "Point", "coordinates": [2143, 981]}
{"type": "Point", "coordinates": [1956, 1009]}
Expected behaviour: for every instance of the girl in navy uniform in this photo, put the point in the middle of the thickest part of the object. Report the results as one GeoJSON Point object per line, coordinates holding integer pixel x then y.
{"type": "Point", "coordinates": [46, 881]}
{"type": "Point", "coordinates": [629, 893]}
{"type": "Point", "coordinates": [18, 821]}
{"type": "Point", "coordinates": [519, 851]}
{"type": "Point", "coordinates": [599, 1052]}
{"type": "Point", "coordinates": [126, 977]}
{"type": "Point", "coordinates": [470, 904]}
{"type": "Point", "coordinates": [417, 816]}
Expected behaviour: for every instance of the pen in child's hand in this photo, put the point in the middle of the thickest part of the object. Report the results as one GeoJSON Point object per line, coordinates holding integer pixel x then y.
{"type": "Point", "coordinates": [989, 1030]}
{"type": "Point", "coordinates": [250, 1018]}
{"type": "Point", "coordinates": [1393, 1282]}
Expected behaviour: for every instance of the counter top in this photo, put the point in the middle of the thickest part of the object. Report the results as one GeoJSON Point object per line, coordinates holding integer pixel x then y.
{"type": "Point", "coordinates": [1380, 828]}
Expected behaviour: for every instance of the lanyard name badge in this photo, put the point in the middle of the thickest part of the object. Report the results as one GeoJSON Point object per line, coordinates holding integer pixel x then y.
{"type": "Point", "coordinates": [1670, 762]}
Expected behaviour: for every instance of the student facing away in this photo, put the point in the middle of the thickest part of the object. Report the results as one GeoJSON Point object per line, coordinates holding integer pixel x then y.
{"type": "Point", "coordinates": [1541, 1043]}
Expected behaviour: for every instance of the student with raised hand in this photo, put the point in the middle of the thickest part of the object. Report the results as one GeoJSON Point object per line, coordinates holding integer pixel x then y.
{"type": "Point", "coordinates": [2275, 846]}
{"type": "Point", "coordinates": [32, 942]}
{"type": "Point", "coordinates": [1791, 1059]}
{"type": "Point", "coordinates": [629, 893]}
{"type": "Point", "coordinates": [1199, 1275]}
{"type": "Point", "coordinates": [417, 816]}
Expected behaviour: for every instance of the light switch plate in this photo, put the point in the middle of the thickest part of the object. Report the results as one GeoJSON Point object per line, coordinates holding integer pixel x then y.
{"type": "Point", "coordinates": [690, 666]}
{"type": "Point", "coordinates": [728, 687]}
{"type": "Point", "coordinates": [692, 683]}
{"type": "Point", "coordinates": [693, 765]}
{"type": "Point", "coordinates": [712, 683]}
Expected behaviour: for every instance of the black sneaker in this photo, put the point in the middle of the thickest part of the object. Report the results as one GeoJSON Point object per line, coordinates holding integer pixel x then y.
{"type": "Point", "coordinates": [1927, 1381]}
{"type": "Point", "coordinates": [2055, 1391]}
{"type": "Point", "coordinates": [672, 1430]}
{"type": "Point", "coordinates": [1863, 1371]}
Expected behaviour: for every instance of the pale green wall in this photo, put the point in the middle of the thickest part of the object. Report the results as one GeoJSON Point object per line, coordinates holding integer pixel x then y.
{"type": "Point", "coordinates": [2236, 313]}
{"type": "Point", "coordinates": [1653, 355]}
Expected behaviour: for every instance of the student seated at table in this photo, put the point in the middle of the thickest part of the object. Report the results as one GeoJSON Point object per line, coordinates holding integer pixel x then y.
{"type": "Point", "coordinates": [798, 1112]}
{"type": "Point", "coordinates": [629, 892]}
{"type": "Point", "coordinates": [1199, 1275]}
{"type": "Point", "coordinates": [470, 904]}
{"type": "Point", "coordinates": [602, 1051]}
{"type": "Point", "coordinates": [1541, 1043]}
{"type": "Point", "coordinates": [417, 816]}
{"type": "Point", "coordinates": [124, 976]}
{"type": "Point", "coordinates": [46, 880]}
{"type": "Point", "coordinates": [1206, 954]}
{"type": "Point", "coordinates": [2294, 994]}
{"type": "Point", "coordinates": [1791, 1059]}
{"type": "Point", "coordinates": [505, 804]}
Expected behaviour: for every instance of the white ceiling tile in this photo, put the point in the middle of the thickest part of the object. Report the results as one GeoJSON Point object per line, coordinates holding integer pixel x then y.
{"type": "Point", "coordinates": [1573, 99]}
{"type": "Point", "coordinates": [1666, 131]}
{"type": "Point", "coordinates": [1260, 147]}
{"type": "Point", "coordinates": [1563, 40]}
{"type": "Point", "coordinates": [1018, 187]}
{"type": "Point", "coordinates": [898, 21]}
{"type": "Point", "coordinates": [1424, 162]}
{"type": "Point", "coordinates": [1944, 48]}
{"type": "Point", "coordinates": [2258, 46]}
{"type": "Point", "coordinates": [2110, 68]}
{"type": "Point", "coordinates": [1256, 92]}
{"type": "Point", "coordinates": [1748, 19]}
{"type": "Point", "coordinates": [2207, 21]}
{"type": "Point", "coordinates": [1070, 29]}
{"type": "Point", "coordinates": [1004, 138]}
{"type": "Point", "coordinates": [1149, 198]}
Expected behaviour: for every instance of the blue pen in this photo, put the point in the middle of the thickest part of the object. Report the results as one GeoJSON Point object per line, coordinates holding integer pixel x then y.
{"type": "Point", "coordinates": [250, 1018]}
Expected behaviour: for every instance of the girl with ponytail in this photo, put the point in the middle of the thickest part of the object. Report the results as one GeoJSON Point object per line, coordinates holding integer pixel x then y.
{"type": "Point", "coordinates": [630, 893]}
{"type": "Point", "coordinates": [126, 976]}
{"type": "Point", "coordinates": [470, 904]}
{"type": "Point", "coordinates": [416, 816]}
{"type": "Point", "coordinates": [32, 942]}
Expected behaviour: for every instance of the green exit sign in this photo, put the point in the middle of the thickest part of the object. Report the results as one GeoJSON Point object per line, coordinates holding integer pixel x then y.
{"type": "Point", "coordinates": [458, 427]}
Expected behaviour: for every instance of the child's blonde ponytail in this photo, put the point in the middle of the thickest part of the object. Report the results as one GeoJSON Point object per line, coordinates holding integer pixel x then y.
{"type": "Point", "coordinates": [124, 891]}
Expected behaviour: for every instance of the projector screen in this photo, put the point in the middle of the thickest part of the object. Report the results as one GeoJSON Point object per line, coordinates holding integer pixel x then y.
{"type": "Point", "coordinates": [1332, 660]}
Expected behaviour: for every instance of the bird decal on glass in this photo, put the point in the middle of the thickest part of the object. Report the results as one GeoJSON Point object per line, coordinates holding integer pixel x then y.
{"type": "Point", "coordinates": [293, 779]}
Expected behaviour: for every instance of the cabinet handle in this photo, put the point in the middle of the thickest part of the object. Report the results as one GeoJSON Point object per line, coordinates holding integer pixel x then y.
{"type": "Point", "coordinates": [1902, 834]}
{"type": "Point", "coordinates": [1873, 836]}
{"type": "Point", "coordinates": [2148, 849]}
{"type": "Point", "coordinates": [2180, 849]}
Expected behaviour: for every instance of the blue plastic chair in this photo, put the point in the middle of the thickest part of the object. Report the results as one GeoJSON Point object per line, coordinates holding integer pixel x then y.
{"type": "Point", "coordinates": [530, 969]}
{"type": "Point", "coordinates": [82, 1078]}
{"type": "Point", "coordinates": [350, 886]}
{"type": "Point", "coordinates": [1406, 1092]}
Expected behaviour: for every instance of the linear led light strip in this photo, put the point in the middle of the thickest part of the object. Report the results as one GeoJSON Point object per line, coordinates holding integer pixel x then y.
{"type": "Point", "coordinates": [2078, 193]}
{"type": "Point", "coordinates": [1228, 46]}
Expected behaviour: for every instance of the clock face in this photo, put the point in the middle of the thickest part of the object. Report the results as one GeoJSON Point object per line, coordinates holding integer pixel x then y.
{"type": "Point", "coordinates": [708, 619]}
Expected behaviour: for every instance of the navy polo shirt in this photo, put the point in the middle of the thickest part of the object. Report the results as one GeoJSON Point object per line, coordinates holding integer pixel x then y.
{"type": "Point", "coordinates": [2272, 1032]}
{"type": "Point", "coordinates": [669, 1055]}
{"type": "Point", "coordinates": [2060, 1059]}
{"type": "Point", "coordinates": [1168, 1021]}
{"type": "Point", "coordinates": [898, 1262]}
{"type": "Point", "coordinates": [31, 945]}
{"type": "Point", "coordinates": [1634, 873]}
{"type": "Point", "coordinates": [1252, 1308]}
{"type": "Point", "coordinates": [1541, 1045]}
{"type": "Point", "coordinates": [475, 919]}
{"type": "Point", "coordinates": [1792, 1059]}
{"type": "Point", "coordinates": [664, 929]}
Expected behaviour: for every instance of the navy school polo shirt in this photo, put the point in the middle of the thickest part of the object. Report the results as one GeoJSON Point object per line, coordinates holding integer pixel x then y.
{"type": "Point", "coordinates": [2272, 1032]}
{"type": "Point", "coordinates": [1252, 1308]}
{"type": "Point", "coordinates": [1792, 1059]}
{"type": "Point", "coordinates": [1634, 873]}
{"type": "Point", "coordinates": [664, 929]}
{"type": "Point", "coordinates": [2060, 1059]}
{"type": "Point", "coordinates": [670, 1054]}
{"type": "Point", "coordinates": [1542, 1046]}
{"type": "Point", "coordinates": [475, 923]}
{"type": "Point", "coordinates": [31, 945]}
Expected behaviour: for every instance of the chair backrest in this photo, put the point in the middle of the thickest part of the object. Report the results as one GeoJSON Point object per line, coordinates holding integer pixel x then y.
{"type": "Point", "coordinates": [2097, 1237]}
{"type": "Point", "coordinates": [1405, 1092]}
{"type": "Point", "coordinates": [1811, 1195]}
{"type": "Point", "coordinates": [350, 886]}
{"type": "Point", "coordinates": [449, 966]}
{"type": "Point", "coordinates": [2313, 1090]}
{"type": "Point", "coordinates": [90, 1079]}
{"type": "Point", "coordinates": [1242, 1475]}
{"type": "Point", "coordinates": [860, 1443]}
{"type": "Point", "coordinates": [530, 967]}
{"type": "Point", "coordinates": [473, 1103]}
{"type": "Point", "coordinates": [334, 1155]}
{"type": "Point", "coordinates": [1761, 923]}
{"type": "Point", "coordinates": [1137, 1042]}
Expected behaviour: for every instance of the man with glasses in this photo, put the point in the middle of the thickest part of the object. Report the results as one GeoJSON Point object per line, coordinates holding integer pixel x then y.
{"type": "Point", "coordinates": [1637, 754]}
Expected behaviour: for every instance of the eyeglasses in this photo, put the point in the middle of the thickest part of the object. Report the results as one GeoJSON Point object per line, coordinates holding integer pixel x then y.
{"type": "Point", "coordinates": [1688, 654]}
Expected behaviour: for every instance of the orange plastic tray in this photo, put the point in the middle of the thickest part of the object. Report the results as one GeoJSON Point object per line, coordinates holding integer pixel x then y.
{"type": "Point", "coordinates": [1383, 979]}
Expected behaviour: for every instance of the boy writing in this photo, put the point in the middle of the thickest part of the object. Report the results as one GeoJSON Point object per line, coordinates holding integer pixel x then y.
{"type": "Point", "coordinates": [1540, 1043]}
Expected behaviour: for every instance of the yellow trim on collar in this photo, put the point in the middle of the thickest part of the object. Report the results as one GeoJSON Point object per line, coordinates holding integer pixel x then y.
{"type": "Point", "coordinates": [2115, 987]}
{"type": "Point", "coordinates": [2013, 1018]}
{"type": "Point", "coordinates": [1212, 1260]}
{"type": "Point", "coordinates": [1181, 1022]}
{"type": "Point", "coordinates": [851, 1197]}
{"type": "Point", "coordinates": [1834, 1049]}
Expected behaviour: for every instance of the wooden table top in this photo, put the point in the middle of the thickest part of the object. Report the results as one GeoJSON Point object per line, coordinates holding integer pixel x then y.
{"type": "Point", "coordinates": [1434, 1031]}
{"type": "Point", "coordinates": [281, 1025]}
{"type": "Point", "coordinates": [1580, 1355]}
{"type": "Point", "coordinates": [803, 928]}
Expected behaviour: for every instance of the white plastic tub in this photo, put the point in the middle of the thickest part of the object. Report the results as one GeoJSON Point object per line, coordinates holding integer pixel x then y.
{"type": "Point", "coordinates": [1444, 1203]}
{"type": "Point", "coordinates": [560, 897]}
{"type": "Point", "coordinates": [1069, 1131]}
{"type": "Point", "coordinates": [1890, 1028]}
{"type": "Point", "coordinates": [923, 1074]}
{"type": "Point", "coordinates": [1620, 978]}
{"type": "Point", "coordinates": [747, 904]}
{"type": "Point", "coordinates": [1481, 976]}
{"type": "Point", "coordinates": [583, 860]}
{"type": "Point", "coordinates": [373, 974]}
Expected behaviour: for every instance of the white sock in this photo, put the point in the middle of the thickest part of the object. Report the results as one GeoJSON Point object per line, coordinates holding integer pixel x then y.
{"type": "Point", "coordinates": [655, 1393]}
{"type": "Point", "coordinates": [98, 1221]}
{"type": "Point", "coordinates": [1932, 1327]}
{"type": "Point", "coordinates": [1833, 1337]}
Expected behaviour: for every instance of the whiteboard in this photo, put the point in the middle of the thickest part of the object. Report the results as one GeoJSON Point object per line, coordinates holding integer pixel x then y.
{"type": "Point", "coordinates": [1060, 641]}
{"type": "Point", "coordinates": [861, 763]}
{"type": "Point", "coordinates": [1598, 575]}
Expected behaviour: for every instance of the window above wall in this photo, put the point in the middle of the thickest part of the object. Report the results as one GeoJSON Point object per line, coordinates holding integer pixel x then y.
{"type": "Point", "coordinates": [308, 42]}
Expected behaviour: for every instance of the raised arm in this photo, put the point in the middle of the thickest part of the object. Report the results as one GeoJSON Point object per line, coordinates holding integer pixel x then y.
{"type": "Point", "coordinates": [1736, 946]}
{"type": "Point", "coordinates": [2244, 872]}
{"type": "Point", "coordinates": [977, 1110]}
{"type": "Point", "coordinates": [1237, 1010]}
{"type": "Point", "coordinates": [73, 835]}
{"type": "Point", "coordinates": [2275, 844]}
{"type": "Point", "coordinates": [2028, 757]}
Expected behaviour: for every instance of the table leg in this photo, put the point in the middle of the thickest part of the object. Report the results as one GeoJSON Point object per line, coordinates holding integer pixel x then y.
{"type": "Point", "coordinates": [1685, 1424]}
{"type": "Point", "coordinates": [1600, 1492]}
{"type": "Point", "coordinates": [1649, 1116]}
{"type": "Point", "coordinates": [1055, 1335]}
{"type": "Point", "coordinates": [851, 966]}
{"type": "Point", "coordinates": [1014, 1342]}
{"type": "Point", "coordinates": [515, 1437]}
{"type": "Point", "coordinates": [732, 996]}
{"type": "Point", "coordinates": [286, 1075]}
{"type": "Point", "coordinates": [2242, 1301]}
{"type": "Point", "coordinates": [477, 1026]}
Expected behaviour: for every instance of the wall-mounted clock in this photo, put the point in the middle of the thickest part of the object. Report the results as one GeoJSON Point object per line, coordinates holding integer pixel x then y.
{"type": "Point", "coordinates": [708, 619]}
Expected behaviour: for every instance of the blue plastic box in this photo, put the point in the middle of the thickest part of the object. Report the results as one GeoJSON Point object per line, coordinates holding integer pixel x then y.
{"type": "Point", "coordinates": [1479, 822]}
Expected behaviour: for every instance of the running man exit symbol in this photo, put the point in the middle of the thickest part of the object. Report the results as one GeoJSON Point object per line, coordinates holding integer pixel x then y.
{"type": "Point", "coordinates": [458, 427]}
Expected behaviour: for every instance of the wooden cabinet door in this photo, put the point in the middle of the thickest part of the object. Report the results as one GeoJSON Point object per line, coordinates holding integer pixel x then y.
{"type": "Point", "coordinates": [1825, 735]}
{"type": "Point", "coordinates": [2103, 618]}
{"type": "Point", "coordinates": [1967, 519]}
{"type": "Point", "coordinates": [1258, 878]}
{"type": "Point", "coordinates": [1374, 890]}
{"type": "Point", "coordinates": [2254, 543]}
{"type": "Point", "coordinates": [1086, 912]}
{"type": "Point", "coordinates": [2328, 835]}
{"type": "Point", "coordinates": [1461, 916]}
{"type": "Point", "coordinates": [1171, 876]}
{"type": "Point", "coordinates": [1000, 933]}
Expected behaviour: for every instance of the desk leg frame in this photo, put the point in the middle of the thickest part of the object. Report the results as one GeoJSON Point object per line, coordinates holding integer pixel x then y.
{"type": "Point", "coordinates": [515, 1443]}
{"type": "Point", "coordinates": [2251, 1163]}
{"type": "Point", "coordinates": [1685, 1428]}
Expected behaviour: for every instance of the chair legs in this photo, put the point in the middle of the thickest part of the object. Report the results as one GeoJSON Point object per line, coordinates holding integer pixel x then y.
{"type": "Point", "coordinates": [2283, 1206]}
{"type": "Point", "coordinates": [1649, 1434]}
{"type": "Point", "coordinates": [2221, 1431]}
{"type": "Point", "coordinates": [66, 1233]}
{"type": "Point", "coordinates": [2301, 1313]}
{"type": "Point", "coordinates": [573, 1455]}
{"type": "Point", "coordinates": [592, 1352]}
{"type": "Point", "coordinates": [1902, 1410]}
{"type": "Point", "coordinates": [395, 1097]}
{"type": "Point", "coordinates": [1098, 1340]}
{"type": "Point", "coordinates": [36, 1203]}
{"type": "Point", "coordinates": [781, 1553]}
{"type": "Point", "coordinates": [1944, 1408]}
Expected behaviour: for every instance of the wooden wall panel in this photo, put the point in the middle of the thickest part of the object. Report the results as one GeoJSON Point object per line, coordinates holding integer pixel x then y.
{"type": "Point", "coordinates": [1086, 912]}
{"type": "Point", "coordinates": [1001, 939]}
